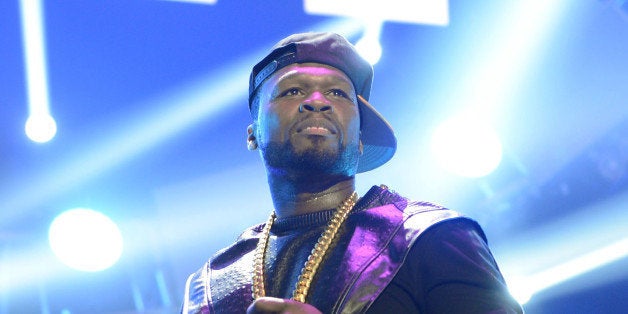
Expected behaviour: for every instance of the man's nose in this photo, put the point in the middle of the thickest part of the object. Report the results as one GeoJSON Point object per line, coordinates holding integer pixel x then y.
{"type": "Point", "coordinates": [316, 102]}
{"type": "Point", "coordinates": [313, 107]}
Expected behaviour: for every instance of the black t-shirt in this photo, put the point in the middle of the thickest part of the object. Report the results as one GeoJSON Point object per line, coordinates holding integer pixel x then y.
{"type": "Point", "coordinates": [450, 269]}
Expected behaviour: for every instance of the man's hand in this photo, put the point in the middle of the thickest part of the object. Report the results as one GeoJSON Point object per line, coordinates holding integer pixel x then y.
{"type": "Point", "coordinates": [276, 305]}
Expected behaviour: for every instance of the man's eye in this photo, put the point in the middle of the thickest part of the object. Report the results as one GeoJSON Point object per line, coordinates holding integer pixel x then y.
{"type": "Point", "coordinates": [339, 93]}
{"type": "Point", "coordinates": [290, 92]}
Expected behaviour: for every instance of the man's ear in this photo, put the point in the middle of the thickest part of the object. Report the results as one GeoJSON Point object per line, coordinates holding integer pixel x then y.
{"type": "Point", "coordinates": [251, 141]}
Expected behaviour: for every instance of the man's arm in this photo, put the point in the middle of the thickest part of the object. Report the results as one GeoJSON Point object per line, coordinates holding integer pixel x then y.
{"type": "Point", "coordinates": [450, 269]}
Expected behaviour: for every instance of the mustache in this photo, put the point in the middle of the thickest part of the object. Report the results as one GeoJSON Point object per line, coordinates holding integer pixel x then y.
{"type": "Point", "coordinates": [316, 120]}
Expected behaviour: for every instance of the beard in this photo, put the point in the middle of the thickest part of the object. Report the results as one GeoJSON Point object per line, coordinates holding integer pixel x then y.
{"type": "Point", "coordinates": [313, 160]}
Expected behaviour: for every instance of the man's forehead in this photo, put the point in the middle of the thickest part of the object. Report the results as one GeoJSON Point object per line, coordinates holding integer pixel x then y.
{"type": "Point", "coordinates": [308, 70]}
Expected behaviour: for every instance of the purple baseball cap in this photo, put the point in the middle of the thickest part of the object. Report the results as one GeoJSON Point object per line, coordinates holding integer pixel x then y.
{"type": "Point", "coordinates": [332, 49]}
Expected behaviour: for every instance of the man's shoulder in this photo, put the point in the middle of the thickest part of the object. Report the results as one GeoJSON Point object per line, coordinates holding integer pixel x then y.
{"type": "Point", "coordinates": [245, 243]}
{"type": "Point", "coordinates": [411, 214]}
{"type": "Point", "coordinates": [380, 196]}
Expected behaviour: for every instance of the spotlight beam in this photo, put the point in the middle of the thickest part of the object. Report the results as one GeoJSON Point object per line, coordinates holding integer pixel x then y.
{"type": "Point", "coordinates": [580, 265]}
{"type": "Point", "coordinates": [491, 70]}
{"type": "Point", "coordinates": [40, 126]}
{"type": "Point", "coordinates": [511, 50]}
{"type": "Point", "coordinates": [24, 271]}
{"type": "Point", "coordinates": [542, 258]}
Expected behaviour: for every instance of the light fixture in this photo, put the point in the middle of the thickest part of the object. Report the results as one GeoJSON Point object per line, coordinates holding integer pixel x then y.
{"type": "Point", "coordinates": [40, 126]}
{"type": "Point", "coordinates": [85, 239]}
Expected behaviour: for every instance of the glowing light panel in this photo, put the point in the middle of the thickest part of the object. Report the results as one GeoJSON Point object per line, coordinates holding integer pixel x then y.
{"type": "Point", "coordinates": [410, 11]}
{"type": "Point", "coordinates": [85, 239]}
{"type": "Point", "coordinates": [467, 147]}
{"type": "Point", "coordinates": [40, 126]}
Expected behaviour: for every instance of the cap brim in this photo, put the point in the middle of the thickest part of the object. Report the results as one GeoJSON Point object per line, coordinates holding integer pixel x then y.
{"type": "Point", "coordinates": [378, 138]}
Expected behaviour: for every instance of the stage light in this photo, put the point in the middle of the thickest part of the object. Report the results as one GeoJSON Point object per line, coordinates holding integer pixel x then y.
{"type": "Point", "coordinates": [85, 239]}
{"type": "Point", "coordinates": [434, 12]}
{"type": "Point", "coordinates": [374, 13]}
{"type": "Point", "coordinates": [466, 146]}
{"type": "Point", "coordinates": [369, 46]}
{"type": "Point", "coordinates": [163, 288]}
{"type": "Point", "coordinates": [523, 289]}
{"type": "Point", "coordinates": [40, 126]}
{"type": "Point", "coordinates": [503, 61]}
{"type": "Point", "coordinates": [552, 259]}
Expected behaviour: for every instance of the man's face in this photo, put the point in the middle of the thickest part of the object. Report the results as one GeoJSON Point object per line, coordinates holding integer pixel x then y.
{"type": "Point", "coordinates": [308, 120]}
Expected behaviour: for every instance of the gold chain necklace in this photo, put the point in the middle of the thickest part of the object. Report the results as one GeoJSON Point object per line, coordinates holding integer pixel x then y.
{"type": "Point", "coordinates": [313, 261]}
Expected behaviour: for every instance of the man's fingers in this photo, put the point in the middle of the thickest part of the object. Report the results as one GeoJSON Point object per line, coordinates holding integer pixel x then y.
{"type": "Point", "coordinates": [276, 305]}
{"type": "Point", "coordinates": [266, 305]}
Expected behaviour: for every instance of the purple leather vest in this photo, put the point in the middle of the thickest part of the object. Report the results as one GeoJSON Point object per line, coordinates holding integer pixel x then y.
{"type": "Point", "coordinates": [372, 247]}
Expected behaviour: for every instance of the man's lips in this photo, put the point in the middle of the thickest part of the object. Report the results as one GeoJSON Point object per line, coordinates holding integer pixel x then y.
{"type": "Point", "coordinates": [316, 127]}
{"type": "Point", "coordinates": [316, 130]}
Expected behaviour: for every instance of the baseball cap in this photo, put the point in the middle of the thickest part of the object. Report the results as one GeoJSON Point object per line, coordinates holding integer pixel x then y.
{"type": "Point", "coordinates": [334, 50]}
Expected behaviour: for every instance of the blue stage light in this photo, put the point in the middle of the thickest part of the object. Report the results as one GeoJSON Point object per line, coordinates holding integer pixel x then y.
{"type": "Point", "coordinates": [434, 12]}
{"type": "Point", "coordinates": [555, 256]}
{"type": "Point", "coordinates": [524, 288]}
{"type": "Point", "coordinates": [369, 46]}
{"type": "Point", "coordinates": [40, 126]}
{"type": "Point", "coordinates": [466, 146]}
{"type": "Point", "coordinates": [85, 239]}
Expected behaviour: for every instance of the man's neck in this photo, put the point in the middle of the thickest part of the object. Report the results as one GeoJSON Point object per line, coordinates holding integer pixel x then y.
{"type": "Point", "coordinates": [307, 194]}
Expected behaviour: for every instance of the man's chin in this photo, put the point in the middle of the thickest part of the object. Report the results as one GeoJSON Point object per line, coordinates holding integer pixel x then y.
{"type": "Point", "coordinates": [314, 144]}
{"type": "Point", "coordinates": [314, 160]}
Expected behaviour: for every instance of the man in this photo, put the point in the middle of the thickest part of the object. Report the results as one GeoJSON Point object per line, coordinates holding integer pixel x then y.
{"type": "Point", "coordinates": [323, 249]}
